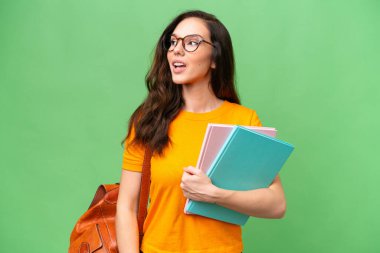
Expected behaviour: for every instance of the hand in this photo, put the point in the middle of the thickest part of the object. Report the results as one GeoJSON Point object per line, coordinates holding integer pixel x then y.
{"type": "Point", "coordinates": [197, 186]}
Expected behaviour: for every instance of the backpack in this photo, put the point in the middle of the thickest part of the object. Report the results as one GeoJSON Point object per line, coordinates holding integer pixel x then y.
{"type": "Point", "coordinates": [95, 229]}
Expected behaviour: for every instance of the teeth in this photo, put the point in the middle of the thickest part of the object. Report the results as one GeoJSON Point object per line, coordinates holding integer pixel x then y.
{"type": "Point", "coordinates": [178, 64]}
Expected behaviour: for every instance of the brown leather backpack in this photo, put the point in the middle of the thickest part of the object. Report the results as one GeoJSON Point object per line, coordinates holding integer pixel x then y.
{"type": "Point", "coordinates": [95, 229]}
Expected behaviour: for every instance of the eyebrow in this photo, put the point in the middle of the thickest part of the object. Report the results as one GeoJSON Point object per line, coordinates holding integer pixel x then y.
{"type": "Point", "coordinates": [173, 34]}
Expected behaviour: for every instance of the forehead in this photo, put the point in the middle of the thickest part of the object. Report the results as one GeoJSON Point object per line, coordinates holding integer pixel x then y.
{"type": "Point", "coordinates": [192, 26]}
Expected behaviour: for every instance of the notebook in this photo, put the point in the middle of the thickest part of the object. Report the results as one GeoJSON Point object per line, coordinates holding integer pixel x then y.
{"type": "Point", "coordinates": [214, 139]}
{"type": "Point", "coordinates": [246, 160]}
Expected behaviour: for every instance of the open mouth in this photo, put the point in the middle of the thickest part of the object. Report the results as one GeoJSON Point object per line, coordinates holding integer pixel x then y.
{"type": "Point", "coordinates": [179, 65]}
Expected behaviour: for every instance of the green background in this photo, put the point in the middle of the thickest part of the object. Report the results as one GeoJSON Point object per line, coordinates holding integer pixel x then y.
{"type": "Point", "coordinates": [72, 72]}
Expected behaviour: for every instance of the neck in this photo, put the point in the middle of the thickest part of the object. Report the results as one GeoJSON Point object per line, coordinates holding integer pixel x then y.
{"type": "Point", "coordinates": [199, 98]}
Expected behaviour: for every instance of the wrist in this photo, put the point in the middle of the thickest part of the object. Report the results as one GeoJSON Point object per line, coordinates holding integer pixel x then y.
{"type": "Point", "coordinates": [218, 195]}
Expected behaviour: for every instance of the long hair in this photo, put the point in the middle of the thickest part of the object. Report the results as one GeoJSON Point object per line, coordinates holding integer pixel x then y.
{"type": "Point", "coordinates": [152, 118]}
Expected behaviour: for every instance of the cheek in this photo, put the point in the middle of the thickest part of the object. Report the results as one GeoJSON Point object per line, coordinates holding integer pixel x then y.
{"type": "Point", "coordinates": [204, 63]}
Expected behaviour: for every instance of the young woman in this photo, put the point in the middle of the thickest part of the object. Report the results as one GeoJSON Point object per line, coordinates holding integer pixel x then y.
{"type": "Point", "coordinates": [190, 84]}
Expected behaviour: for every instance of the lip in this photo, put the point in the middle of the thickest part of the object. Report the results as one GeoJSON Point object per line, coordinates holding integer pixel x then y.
{"type": "Point", "coordinates": [178, 70]}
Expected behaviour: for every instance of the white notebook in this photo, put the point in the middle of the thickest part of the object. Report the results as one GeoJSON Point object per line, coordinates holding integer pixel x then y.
{"type": "Point", "coordinates": [214, 138]}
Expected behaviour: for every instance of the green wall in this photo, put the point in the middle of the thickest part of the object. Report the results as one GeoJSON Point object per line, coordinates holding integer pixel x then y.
{"type": "Point", "coordinates": [72, 72]}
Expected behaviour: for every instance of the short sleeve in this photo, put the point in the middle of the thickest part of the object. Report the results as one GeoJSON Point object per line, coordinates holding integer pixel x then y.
{"type": "Point", "coordinates": [133, 155]}
{"type": "Point", "coordinates": [255, 121]}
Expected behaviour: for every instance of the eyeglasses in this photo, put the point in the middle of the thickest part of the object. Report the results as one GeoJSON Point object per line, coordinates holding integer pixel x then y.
{"type": "Point", "coordinates": [190, 42]}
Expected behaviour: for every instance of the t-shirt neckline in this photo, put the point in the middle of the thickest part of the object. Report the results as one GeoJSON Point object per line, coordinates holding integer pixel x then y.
{"type": "Point", "coordinates": [205, 115]}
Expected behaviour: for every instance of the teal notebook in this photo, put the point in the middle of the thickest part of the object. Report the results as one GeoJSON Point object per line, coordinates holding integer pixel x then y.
{"type": "Point", "coordinates": [248, 160]}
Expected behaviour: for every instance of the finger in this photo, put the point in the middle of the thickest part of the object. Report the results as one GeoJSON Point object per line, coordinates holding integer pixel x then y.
{"type": "Point", "coordinates": [185, 177]}
{"type": "Point", "coordinates": [186, 194]}
{"type": "Point", "coordinates": [191, 170]}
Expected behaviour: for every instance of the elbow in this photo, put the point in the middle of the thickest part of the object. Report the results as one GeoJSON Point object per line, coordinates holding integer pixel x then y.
{"type": "Point", "coordinates": [279, 211]}
{"type": "Point", "coordinates": [124, 216]}
{"type": "Point", "coordinates": [123, 211]}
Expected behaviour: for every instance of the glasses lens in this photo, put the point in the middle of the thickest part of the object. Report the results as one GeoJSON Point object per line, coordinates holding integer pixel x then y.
{"type": "Point", "coordinates": [192, 42]}
{"type": "Point", "coordinates": [172, 43]}
{"type": "Point", "coordinates": [167, 43]}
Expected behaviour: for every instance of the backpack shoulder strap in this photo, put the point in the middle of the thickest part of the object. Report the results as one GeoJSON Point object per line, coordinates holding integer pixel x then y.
{"type": "Point", "coordinates": [144, 191]}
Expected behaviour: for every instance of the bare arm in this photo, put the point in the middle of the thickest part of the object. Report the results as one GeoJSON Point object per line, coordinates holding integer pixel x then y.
{"type": "Point", "coordinates": [263, 203]}
{"type": "Point", "coordinates": [127, 233]}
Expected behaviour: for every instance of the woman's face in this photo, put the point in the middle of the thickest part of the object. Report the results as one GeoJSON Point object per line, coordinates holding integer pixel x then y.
{"type": "Point", "coordinates": [191, 67]}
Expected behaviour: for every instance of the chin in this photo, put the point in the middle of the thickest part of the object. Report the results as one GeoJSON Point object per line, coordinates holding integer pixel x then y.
{"type": "Point", "coordinates": [178, 80]}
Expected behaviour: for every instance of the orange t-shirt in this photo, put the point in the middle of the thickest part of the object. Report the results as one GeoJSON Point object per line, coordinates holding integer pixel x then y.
{"type": "Point", "coordinates": [167, 228]}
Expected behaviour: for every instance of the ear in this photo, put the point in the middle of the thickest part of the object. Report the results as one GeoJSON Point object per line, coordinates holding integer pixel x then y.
{"type": "Point", "coordinates": [214, 55]}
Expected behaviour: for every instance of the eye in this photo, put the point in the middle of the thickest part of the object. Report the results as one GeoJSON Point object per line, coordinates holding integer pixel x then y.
{"type": "Point", "coordinates": [193, 43]}
{"type": "Point", "coordinates": [173, 42]}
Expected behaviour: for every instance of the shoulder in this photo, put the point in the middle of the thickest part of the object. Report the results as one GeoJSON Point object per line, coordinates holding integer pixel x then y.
{"type": "Point", "coordinates": [243, 112]}
{"type": "Point", "coordinates": [240, 109]}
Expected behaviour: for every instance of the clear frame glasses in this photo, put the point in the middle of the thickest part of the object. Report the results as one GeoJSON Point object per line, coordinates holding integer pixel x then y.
{"type": "Point", "coordinates": [190, 42]}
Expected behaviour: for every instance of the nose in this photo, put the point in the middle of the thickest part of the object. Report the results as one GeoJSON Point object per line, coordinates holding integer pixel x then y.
{"type": "Point", "coordinates": [178, 49]}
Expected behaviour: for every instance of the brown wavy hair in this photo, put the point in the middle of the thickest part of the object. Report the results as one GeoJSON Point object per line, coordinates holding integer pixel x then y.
{"type": "Point", "coordinates": [152, 118]}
